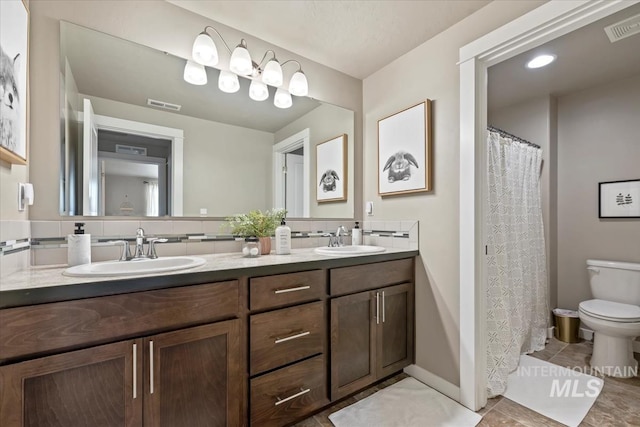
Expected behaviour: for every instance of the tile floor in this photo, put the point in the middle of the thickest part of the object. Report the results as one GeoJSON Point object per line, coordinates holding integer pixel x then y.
{"type": "Point", "coordinates": [617, 405]}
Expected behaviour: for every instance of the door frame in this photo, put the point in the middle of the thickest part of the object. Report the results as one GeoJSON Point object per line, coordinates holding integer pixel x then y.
{"type": "Point", "coordinates": [176, 136]}
{"type": "Point", "coordinates": [292, 143]}
{"type": "Point", "coordinates": [547, 22]}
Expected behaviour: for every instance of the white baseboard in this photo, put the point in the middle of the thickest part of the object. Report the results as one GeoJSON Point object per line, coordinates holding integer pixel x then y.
{"type": "Point", "coordinates": [586, 334]}
{"type": "Point", "coordinates": [435, 382]}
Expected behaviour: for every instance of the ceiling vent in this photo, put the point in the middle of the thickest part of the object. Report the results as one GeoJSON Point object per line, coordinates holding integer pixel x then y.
{"type": "Point", "coordinates": [623, 29]}
{"type": "Point", "coordinates": [162, 104]}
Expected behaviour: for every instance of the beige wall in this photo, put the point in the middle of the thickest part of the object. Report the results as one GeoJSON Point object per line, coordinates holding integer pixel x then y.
{"type": "Point", "coordinates": [326, 122]}
{"type": "Point", "coordinates": [535, 121]}
{"type": "Point", "coordinates": [430, 71]}
{"type": "Point", "coordinates": [238, 158]}
{"type": "Point", "coordinates": [159, 25]}
{"type": "Point", "coordinates": [598, 141]}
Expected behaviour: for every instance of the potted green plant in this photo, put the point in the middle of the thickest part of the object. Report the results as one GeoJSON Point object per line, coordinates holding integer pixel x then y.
{"type": "Point", "coordinates": [257, 223]}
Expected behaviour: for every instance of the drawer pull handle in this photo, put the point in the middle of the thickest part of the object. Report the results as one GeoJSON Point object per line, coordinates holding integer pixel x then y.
{"type": "Point", "coordinates": [298, 394]}
{"type": "Point", "coordinates": [284, 291]}
{"type": "Point", "coordinates": [292, 337]}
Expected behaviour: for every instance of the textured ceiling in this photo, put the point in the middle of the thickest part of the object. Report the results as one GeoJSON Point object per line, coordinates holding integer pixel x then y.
{"type": "Point", "coordinates": [355, 37]}
{"type": "Point", "coordinates": [585, 58]}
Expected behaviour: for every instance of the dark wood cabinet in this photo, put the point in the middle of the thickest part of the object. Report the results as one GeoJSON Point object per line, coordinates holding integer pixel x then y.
{"type": "Point", "coordinates": [192, 377]}
{"type": "Point", "coordinates": [187, 377]}
{"type": "Point", "coordinates": [371, 337]}
{"type": "Point", "coordinates": [99, 386]}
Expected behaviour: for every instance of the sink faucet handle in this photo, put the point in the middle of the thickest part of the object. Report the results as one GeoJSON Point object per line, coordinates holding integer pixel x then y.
{"type": "Point", "coordinates": [140, 232]}
{"type": "Point", "coordinates": [126, 252]}
{"type": "Point", "coordinates": [151, 251]}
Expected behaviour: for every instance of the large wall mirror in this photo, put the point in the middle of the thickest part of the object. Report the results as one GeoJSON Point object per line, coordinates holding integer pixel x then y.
{"type": "Point", "coordinates": [137, 140]}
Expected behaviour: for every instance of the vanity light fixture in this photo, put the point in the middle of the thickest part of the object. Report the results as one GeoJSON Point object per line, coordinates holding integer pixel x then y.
{"type": "Point", "coordinates": [541, 61]}
{"type": "Point", "coordinates": [205, 53]}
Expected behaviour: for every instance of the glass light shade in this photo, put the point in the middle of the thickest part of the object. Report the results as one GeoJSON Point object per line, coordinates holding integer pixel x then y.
{"type": "Point", "coordinates": [541, 61]}
{"type": "Point", "coordinates": [282, 99]}
{"type": "Point", "coordinates": [258, 91]}
{"type": "Point", "coordinates": [204, 50]}
{"type": "Point", "coordinates": [195, 73]}
{"type": "Point", "coordinates": [240, 62]}
{"type": "Point", "coordinates": [272, 74]}
{"type": "Point", "coordinates": [298, 85]}
{"type": "Point", "coordinates": [228, 82]}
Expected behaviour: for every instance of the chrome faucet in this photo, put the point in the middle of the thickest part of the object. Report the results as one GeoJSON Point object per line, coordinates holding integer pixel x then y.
{"type": "Point", "coordinates": [139, 250]}
{"type": "Point", "coordinates": [340, 234]}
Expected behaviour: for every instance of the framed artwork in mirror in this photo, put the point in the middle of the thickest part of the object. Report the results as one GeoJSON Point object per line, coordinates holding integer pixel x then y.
{"type": "Point", "coordinates": [619, 199]}
{"type": "Point", "coordinates": [331, 170]}
{"type": "Point", "coordinates": [14, 46]}
{"type": "Point", "coordinates": [404, 151]}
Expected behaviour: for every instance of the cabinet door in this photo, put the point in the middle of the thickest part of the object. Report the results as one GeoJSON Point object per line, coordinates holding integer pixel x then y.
{"type": "Point", "coordinates": [192, 376]}
{"type": "Point", "coordinates": [353, 330]}
{"type": "Point", "coordinates": [99, 386]}
{"type": "Point", "coordinates": [395, 329]}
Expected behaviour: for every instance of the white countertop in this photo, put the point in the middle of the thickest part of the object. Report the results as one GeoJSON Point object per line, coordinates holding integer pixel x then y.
{"type": "Point", "coordinates": [51, 275]}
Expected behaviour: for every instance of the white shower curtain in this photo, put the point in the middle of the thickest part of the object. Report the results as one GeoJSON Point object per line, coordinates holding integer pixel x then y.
{"type": "Point", "coordinates": [517, 304]}
{"type": "Point", "coordinates": [151, 200]}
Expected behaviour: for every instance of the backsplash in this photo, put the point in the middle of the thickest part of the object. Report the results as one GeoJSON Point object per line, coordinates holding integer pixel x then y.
{"type": "Point", "coordinates": [14, 246]}
{"type": "Point", "coordinates": [48, 238]}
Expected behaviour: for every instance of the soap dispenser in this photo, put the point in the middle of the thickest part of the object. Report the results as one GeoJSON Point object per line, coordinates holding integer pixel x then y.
{"type": "Point", "coordinates": [283, 239]}
{"type": "Point", "coordinates": [78, 246]}
{"type": "Point", "coordinates": [356, 235]}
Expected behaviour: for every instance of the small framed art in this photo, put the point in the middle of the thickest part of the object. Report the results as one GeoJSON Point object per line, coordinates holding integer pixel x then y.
{"type": "Point", "coordinates": [619, 199]}
{"type": "Point", "coordinates": [331, 170]}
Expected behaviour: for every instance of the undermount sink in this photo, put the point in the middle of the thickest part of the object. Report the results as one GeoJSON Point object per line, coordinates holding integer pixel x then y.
{"type": "Point", "coordinates": [138, 266]}
{"type": "Point", "coordinates": [349, 250]}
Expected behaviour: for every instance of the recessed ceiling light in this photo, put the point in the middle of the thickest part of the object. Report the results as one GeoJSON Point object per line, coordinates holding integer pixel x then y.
{"type": "Point", "coordinates": [541, 61]}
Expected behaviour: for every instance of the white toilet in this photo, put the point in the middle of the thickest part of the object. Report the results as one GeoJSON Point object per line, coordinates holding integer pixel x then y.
{"type": "Point", "coordinates": [613, 315]}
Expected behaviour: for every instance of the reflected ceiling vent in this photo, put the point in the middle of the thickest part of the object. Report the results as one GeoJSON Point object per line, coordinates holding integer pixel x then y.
{"type": "Point", "coordinates": [162, 104]}
{"type": "Point", "coordinates": [623, 29]}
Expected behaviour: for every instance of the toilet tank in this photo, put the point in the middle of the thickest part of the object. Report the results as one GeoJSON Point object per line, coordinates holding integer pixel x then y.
{"type": "Point", "coordinates": [615, 281]}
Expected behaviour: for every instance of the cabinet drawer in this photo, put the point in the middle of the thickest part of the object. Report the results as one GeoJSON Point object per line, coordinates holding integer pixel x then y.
{"type": "Point", "coordinates": [287, 394]}
{"type": "Point", "coordinates": [285, 289]}
{"type": "Point", "coordinates": [346, 280]}
{"type": "Point", "coordinates": [284, 336]}
{"type": "Point", "coordinates": [72, 324]}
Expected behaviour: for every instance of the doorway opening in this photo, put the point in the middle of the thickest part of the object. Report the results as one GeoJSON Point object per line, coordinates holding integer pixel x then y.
{"type": "Point", "coordinates": [291, 172]}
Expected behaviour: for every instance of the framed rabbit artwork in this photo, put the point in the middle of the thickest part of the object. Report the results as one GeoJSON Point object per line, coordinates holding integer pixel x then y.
{"type": "Point", "coordinates": [404, 151]}
{"type": "Point", "coordinates": [14, 34]}
{"type": "Point", "coordinates": [331, 170]}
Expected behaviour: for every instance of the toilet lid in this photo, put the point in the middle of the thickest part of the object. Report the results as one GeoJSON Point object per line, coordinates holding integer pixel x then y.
{"type": "Point", "coordinates": [609, 310]}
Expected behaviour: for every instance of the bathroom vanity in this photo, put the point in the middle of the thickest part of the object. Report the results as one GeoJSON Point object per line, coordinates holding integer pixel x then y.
{"type": "Point", "coordinates": [235, 342]}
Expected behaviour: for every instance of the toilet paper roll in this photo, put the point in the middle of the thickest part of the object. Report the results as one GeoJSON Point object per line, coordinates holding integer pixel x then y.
{"type": "Point", "coordinates": [78, 249]}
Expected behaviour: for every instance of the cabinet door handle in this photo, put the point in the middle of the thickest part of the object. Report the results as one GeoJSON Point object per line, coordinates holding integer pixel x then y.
{"type": "Point", "coordinates": [150, 367]}
{"type": "Point", "coordinates": [292, 337]}
{"type": "Point", "coordinates": [377, 308]}
{"type": "Point", "coordinates": [284, 291]}
{"type": "Point", "coordinates": [135, 371]}
{"type": "Point", "coordinates": [383, 310]}
{"type": "Point", "coordinates": [293, 396]}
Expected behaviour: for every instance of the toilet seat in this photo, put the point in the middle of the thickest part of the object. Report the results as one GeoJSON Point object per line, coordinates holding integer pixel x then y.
{"type": "Point", "coordinates": [609, 310]}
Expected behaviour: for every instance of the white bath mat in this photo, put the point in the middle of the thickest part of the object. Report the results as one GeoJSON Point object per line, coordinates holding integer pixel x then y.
{"type": "Point", "coordinates": [407, 403]}
{"type": "Point", "coordinates": [562, 394]}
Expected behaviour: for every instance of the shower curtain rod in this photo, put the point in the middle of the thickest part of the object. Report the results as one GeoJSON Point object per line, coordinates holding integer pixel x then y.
{"type": "Point", "coordinates": [507, 134]}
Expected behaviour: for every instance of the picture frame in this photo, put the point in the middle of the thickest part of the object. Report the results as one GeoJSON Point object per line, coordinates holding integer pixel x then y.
{"type": "Point", "coordinates": [619, 199]}
{"type": "Point", "coordinates": [331, 170]}
{"type": "Point", "coordinates": [14, 52]}
{"type": "Point", "coordinates": [405, 151]}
